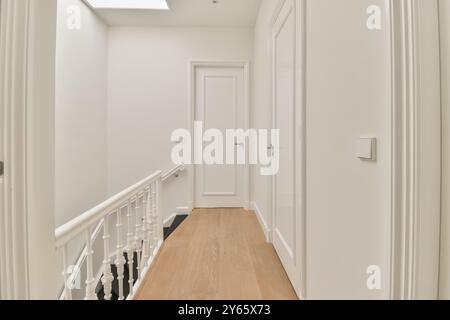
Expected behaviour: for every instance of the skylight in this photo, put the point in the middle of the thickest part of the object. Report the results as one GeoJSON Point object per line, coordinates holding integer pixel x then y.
{"type": "Point", "coordinates": [129, 4]}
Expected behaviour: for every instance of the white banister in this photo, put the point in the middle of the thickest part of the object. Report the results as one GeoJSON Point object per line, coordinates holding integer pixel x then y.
{"type": "Point", "coordinates": [134, 237]}
{"type": "Point", "coordinates": [76, 226]}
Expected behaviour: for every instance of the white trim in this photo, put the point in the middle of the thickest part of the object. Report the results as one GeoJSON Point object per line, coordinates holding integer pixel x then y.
{"type": "Point", "coordinates": [183, 210]}
{"type": "Point", "coordinates": [262, 222]}
{"type": "Point", "coordinates": [415, 151]}
{"type": "Point", "coordinates": [191, 112]}
{"type": "Point", "coordinates": [13, 229]}
{"type": "Point", "coordinates": [167, 222]}
{"type": "Point", "coordinates": [444, 276]}
{"type": "Point", "coordinates": [301, 148]}
{"type": "Point", "coordinates": [28, 52]}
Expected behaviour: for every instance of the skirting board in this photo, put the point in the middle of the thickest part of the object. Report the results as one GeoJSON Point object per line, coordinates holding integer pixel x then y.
{"type": "Point", "coordinates": [183, 210]}
{"type": "Point", "coordinates": [167, 222]}
{"type": "Point", "coordinates": [262, 222]}
{"type": "Point", "coordinates": [178, 211]}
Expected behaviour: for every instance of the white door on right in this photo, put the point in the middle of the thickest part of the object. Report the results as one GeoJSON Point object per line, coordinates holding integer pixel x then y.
{"type": "Point", "coordinates": [285, 222]}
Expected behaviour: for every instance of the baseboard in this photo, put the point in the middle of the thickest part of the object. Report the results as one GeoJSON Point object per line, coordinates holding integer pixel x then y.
{"type": "Point", "coordinates": [265, 228]}
{"type": "Point", "coordinates": [167, 222]}
{"type": "Point", "coordinates": [183, 210]}
{"type": "Point", "coordinates": [190, 206]}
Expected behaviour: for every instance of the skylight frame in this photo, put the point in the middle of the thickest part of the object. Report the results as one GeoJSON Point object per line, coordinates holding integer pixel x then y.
{"type": "Point", "coordinates": [163, 5]}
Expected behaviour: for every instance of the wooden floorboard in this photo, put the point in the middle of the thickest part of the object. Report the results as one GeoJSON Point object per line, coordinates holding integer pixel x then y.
{"type": "Point", "coordinates": [217, 254]}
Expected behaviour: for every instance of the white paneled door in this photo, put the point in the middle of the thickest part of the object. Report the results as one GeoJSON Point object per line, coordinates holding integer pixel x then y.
{"type": "Point", "coordinates": [286, 222]}
{"type": "Point", "coordinates": [220, 103]}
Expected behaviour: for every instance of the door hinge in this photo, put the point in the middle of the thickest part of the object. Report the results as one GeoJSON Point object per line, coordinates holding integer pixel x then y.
{"type": "Point", "coordinates": [1, 168]}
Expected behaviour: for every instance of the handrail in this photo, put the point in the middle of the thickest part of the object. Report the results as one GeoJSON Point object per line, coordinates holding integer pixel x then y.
{"type": "Point", "coordinates": [73, 228]}
{"type": "Point", "coordinates": [173, 172]}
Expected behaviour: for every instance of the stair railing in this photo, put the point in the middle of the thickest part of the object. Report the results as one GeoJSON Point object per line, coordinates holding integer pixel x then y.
{"type": "Point", "coordinates": [174, 172]}
{"type": "Point", "coordinates": [139, 235]}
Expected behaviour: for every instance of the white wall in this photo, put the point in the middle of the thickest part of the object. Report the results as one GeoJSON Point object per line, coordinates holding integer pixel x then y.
{"type": "Point", "coordinates": [348, 95]}
{"type": "Point", "coordinates": [348, 200]}
{"type": "Point", "coordinates": [81, 113]}
{"type": "Point", "coordinates": [148, 97]}
{"type": "Point", "coordinates": [444, 6]}
{"type": "Point", "coordinates": [262, 101]}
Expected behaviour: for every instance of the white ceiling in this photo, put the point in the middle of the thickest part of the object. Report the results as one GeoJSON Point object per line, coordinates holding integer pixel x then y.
{"type": "Point", "coordinates": [226, 13]}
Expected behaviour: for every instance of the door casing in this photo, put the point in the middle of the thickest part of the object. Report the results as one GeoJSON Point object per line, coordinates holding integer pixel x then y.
{"type": "Point", "coordinates": [27, 96]}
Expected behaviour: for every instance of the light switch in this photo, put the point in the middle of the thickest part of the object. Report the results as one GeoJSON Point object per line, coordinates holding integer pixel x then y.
{"type": "Point", "coordinates": [366, 148]}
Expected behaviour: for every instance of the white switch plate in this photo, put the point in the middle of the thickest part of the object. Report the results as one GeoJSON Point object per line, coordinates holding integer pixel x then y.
{"type": "Point", "coordinates": [366, 148]}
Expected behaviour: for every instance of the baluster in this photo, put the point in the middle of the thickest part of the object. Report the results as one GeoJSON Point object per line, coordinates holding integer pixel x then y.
{"type": "Point", "coordinates": [66, 273]}
{"type": "Point", "coordinates": [137, 238]}
{"type": "Point", "coordinates": [149, 222]}
{"type": "Point", "coordinates": [158, 211]}
{"type": "Point", "coordinates": [153, 219]}
{"type": "Point", "coordinates": [90, 280]}
{"type": "Point", "coordinates": [120, 259]}
{"type": "Point", "coordinates": [145, 250]}
{"type": "Point", "coordinates": [130, 250]}
{"type": "Point", "coordinates": [108, 277]}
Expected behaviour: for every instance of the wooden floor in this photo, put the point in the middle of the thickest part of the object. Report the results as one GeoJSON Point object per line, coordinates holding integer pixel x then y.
{"type": "Point", "coordinates": [217, 254]}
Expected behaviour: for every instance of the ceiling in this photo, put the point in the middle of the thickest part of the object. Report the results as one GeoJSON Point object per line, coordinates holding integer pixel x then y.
{"type": "Point", "coordinates": [225, 13]}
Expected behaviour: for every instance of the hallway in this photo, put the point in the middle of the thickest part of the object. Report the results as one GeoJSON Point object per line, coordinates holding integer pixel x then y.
{"type": "Point", "coordinates": [217, 254]}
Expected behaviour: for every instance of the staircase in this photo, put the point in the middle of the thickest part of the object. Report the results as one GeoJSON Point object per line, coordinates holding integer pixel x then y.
{"type": "Point", "coordinates": [131, 226]}
{"type": "Point", "coordinates": [128, 224]}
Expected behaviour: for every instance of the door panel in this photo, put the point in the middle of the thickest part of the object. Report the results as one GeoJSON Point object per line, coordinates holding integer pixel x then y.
{"type": "Point", "coordinates": [286, 214]}
{"type": "Point", "coordinates": [220, 104]}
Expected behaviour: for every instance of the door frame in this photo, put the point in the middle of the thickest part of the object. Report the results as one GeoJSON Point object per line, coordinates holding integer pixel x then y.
{"type": "Point", "coordinates": [416, 149]}
{"type": "Point", "coordinates": [27, 242]}
{"type": "Point", "coordinates": [300, 134]}
{"type": "Point", "coordinates": [193, 65]}
{"type": "Point", "coordinates": [444, 279]}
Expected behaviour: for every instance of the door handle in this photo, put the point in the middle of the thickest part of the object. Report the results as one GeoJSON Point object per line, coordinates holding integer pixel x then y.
{"type": "Point", "coordinates": [238, 144]}
{"type": "Point", "coordinates": [2, 168]}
